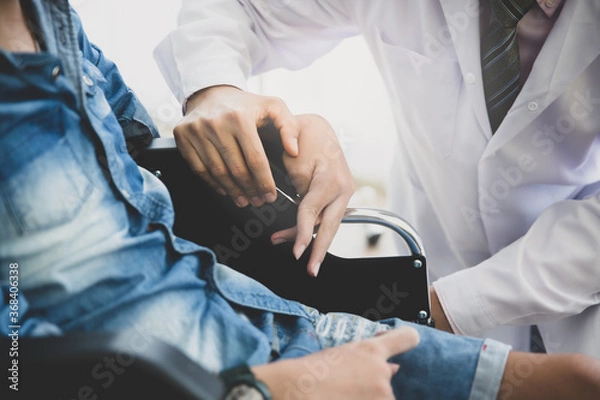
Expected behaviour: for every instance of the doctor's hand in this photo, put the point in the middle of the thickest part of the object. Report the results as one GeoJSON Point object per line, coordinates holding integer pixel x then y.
{"type": "Point", "coordinates": [353, 371]}
{"type": "Point", "coordinates": [219, 140]}
{"type": "Point", "coordinates": [323, 179]}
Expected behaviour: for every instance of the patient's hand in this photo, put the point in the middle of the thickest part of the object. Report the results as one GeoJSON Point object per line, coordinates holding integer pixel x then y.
{"type": "Point", "coordinates": [356, 370]}
{"type": "Point", "coordinates": [359, 370]}
{"type": "Point", "coordinates": [321, 176]}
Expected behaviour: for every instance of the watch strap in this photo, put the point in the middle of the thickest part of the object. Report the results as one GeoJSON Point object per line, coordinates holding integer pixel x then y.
{"type": "Point", "coordinates": [242, 375]}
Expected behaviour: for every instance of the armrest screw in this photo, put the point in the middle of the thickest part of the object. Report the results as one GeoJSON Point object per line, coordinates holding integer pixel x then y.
{"type": "Point", "coordinates": [157, 173]}
{"type": "Point", "coordinates": [422, 314]}
{"type": "Point", "coordinates": [417, 264]}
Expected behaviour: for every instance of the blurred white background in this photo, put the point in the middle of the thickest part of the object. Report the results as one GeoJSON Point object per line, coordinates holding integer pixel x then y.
{"type": "Point", "coordinates": [344, 86]}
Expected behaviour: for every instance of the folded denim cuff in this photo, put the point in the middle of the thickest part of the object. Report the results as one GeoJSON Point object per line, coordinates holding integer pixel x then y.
{"type": "Point", "coordinates": [489, 370]}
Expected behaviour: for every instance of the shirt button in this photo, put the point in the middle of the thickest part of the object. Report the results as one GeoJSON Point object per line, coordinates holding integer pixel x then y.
{"type": "Point", "coordinates": [470, 78]}
{"type": "Point", "coordinates": [550, 3]}
{"type": "Point", "coordinates": [87, 80]}
{"type": "Point", "coordinates": [55, 72]}
{"type": "Point", "coordinates": [533, 106]}
{"type": "Point", "coordinates": [126, 194]}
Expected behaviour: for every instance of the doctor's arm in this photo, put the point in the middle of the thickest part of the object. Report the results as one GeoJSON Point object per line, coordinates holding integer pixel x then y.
{"type": "Point", "coordinates": [552, 272]}
{"type": "Point", "coordinates": [206, 62]}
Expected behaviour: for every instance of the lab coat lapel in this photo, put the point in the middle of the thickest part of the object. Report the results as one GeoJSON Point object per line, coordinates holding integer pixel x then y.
{"type": "Point", "coordinates": [572, 45]}
{"type": "Point", "coordinates": [467, 45]}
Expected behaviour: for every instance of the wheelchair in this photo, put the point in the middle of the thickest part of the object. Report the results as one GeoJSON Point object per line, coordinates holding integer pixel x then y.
{"type": "Point", "coordinates": [114, 366]}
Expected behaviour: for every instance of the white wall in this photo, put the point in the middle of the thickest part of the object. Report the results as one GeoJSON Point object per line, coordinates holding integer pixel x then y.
{"type": "Point", "coordinates": [127, 31]}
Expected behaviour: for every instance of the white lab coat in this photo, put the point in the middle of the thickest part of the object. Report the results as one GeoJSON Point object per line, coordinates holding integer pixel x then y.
{"type": "Point", "coordinates": [510, 222]}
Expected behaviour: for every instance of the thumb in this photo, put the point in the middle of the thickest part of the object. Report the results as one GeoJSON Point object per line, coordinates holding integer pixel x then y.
{"type": "Point", "coordinates": [398, 341]}
{"type": "Point", "coordinates": [285, 122]}
{"type": "Point", "coordinates": [289, 138]}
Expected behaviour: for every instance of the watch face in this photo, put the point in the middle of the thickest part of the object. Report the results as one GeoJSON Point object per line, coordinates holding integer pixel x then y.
{"type": "Point", "coordinates": [244, 392]}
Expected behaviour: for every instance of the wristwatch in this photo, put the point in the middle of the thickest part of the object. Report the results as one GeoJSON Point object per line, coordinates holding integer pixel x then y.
{"type": "Point", "coordinates": [241, 384]}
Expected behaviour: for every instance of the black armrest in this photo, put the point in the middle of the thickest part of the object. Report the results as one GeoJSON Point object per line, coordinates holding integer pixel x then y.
{"type": "Point", "coordinates": [372, 287]}
{"type": "Point", "coordinates": [119, 366]}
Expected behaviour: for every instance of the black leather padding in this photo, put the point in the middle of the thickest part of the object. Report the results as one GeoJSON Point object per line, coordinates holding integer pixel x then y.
{"type": "Point", "coordinates": [116, 366]}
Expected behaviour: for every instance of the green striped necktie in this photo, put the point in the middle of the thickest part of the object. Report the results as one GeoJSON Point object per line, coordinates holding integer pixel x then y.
{"type": "Point", "coordinates": [500, 57]}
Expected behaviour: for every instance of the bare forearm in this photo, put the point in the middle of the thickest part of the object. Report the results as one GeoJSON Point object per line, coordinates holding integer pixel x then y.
{"type": "Point", "coordinates": [280, 378]}
{"type": "Point", "coordinates": [556, 376]}
{"type": "Point", "coordinates": [437, 312]}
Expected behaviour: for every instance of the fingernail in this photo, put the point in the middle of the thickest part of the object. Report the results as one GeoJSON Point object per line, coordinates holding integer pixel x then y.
{"type": "Point", "coordinates": [315, 269]}
{"type": "Point", "coordinates": [270, 197]}
{"type": "Point", "coordinates": [241, 201]}
{"type": "Point", "coordinates": [298, 253]}
{"type": "Point", "coordinates": [278, 241]}
{"type": "Point", "coordinates": [256, 201]}
{"type": "Point", "coordinates": [221, 191]}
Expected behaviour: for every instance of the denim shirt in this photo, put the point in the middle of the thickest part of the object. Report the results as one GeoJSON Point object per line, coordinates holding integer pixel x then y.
{"type": "Point", "coordinates": [91, 233]}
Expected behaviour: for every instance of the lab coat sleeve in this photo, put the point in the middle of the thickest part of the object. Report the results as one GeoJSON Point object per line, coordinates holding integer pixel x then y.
{"type": "Point", "coordinates": [552, 272]}
{"type": "Point", "coordinates": [224, 41]}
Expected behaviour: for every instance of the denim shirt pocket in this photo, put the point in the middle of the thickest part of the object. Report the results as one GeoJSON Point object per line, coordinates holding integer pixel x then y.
{"type": "Point", "coordinates": [91, 71]}
{"type": "Point", "coordinates": [42, 184]}
{"type": "Point", "coordinates": [96, 102]}
{"type": "Point", "coordinates": [133, 118]}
